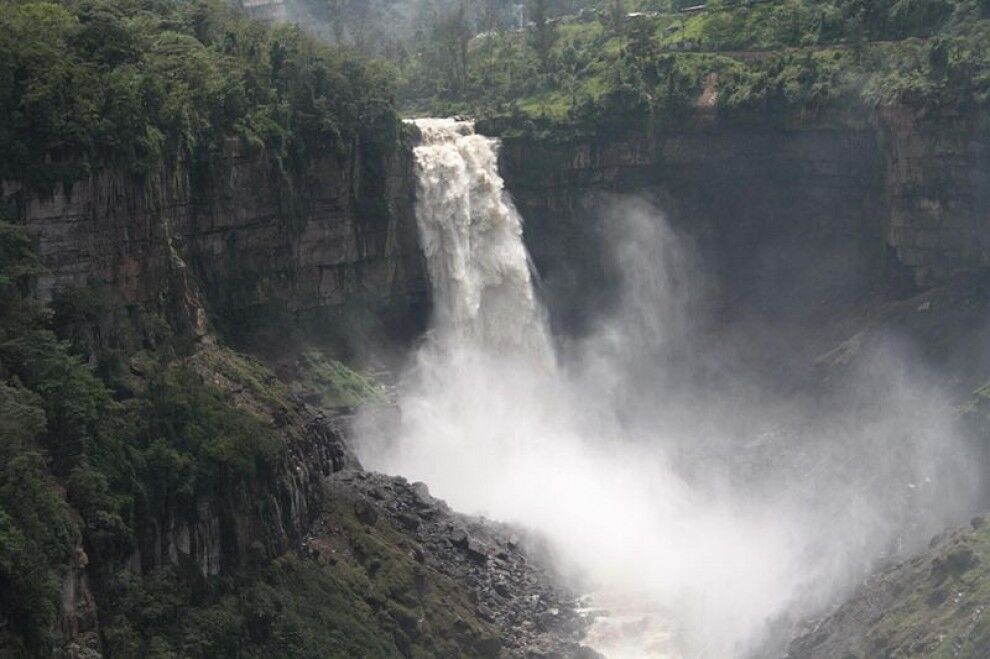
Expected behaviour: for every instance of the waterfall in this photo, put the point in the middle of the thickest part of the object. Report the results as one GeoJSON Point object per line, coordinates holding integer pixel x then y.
{"type": "Point", "coordinates": [471, 235]}
{"type": "Point", "coordinates": [705, 513]}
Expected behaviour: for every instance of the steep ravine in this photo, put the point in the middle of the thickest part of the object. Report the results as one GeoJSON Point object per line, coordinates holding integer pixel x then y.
{"type": "Point", "coordinates": [837, 233]}
{"type": "Point", "coordinates": [880, 211]}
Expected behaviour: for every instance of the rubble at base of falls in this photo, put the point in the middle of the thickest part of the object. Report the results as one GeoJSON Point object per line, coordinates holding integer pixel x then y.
{"type": "Point", "coordinates": [498, 580]}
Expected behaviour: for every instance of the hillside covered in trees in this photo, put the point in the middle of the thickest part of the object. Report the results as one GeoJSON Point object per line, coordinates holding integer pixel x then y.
{"type": "Point", "coordinates": [144, 85]}
{"type": "Point", "coordinates": [610, 61]}
{"type": "Point", "coordinates": [101, 441]}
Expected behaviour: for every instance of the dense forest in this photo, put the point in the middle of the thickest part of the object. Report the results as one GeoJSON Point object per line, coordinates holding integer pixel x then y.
{"type": "Point", "coordinates": [149, 84]}
{"type": "Point", "coordinates": [621, 59]}
{"type": "Point", "coordinates": [145, 85]}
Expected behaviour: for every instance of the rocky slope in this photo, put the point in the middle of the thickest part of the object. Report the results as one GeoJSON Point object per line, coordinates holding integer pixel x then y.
{"type": "Point", "coordinates": [933, 605]}
{"type": "Point", "coordinates": [508, 589]}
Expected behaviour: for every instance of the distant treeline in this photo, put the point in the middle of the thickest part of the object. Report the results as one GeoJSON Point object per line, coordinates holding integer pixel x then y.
{"type": "Point", "coordinates": [620, 58]}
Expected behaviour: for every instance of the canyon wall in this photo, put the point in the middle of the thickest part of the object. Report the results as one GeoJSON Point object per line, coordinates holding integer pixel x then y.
{"type": "Point", "coordinates": [937, 190]}
{"type": "Point", "coordinates": [810, 216]}
{"type": "Point", "coordinates": [797, 216]}
{"type": "Point", "coordinates": [887, 204]}
{"type": "Point", "coordinates": [238, 236]}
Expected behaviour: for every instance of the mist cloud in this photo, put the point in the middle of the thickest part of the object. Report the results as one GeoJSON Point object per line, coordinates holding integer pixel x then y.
{"type": "Point", "coordinates": [666, 475]}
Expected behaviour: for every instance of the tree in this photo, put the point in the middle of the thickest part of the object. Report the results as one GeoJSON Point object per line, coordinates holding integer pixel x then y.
{"type": "Point", "coordinates": [336, 15]}
{"type": "Point", "coordinates": [491, 25]}
{"type": "Point", "coordinates": [616, 16]}
{"type": "Point", "coordinates": [543, 33]}
{"type": "Point", "coordinates": [640, 41]}
{"type": "Point", "coordinates": [453, 34]}
{"type": "Point", "coordinates": [491, 16]}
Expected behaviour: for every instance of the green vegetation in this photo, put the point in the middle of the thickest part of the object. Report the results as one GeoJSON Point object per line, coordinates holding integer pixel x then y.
{"type": "Point", "coordinates": [359, 595]}
{"type": "Point", "coordinates": [146, 84]}
{"type": "Point", "coordinates": [931, 606]}
{"type": "Point", "coordinates": [772, 58]}
{"type": "Point", "coordinates": [37, 529]}
{"type": "Point", "coordinates": [89, 451]}
{"type": "Point", "coordinates": [291, 608]}
{"type": "Point", "coordinates": [336, 384]}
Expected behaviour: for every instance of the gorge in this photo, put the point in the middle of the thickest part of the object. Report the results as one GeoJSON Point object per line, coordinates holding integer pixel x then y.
{"type": "Point", "coordinates": [669, 474]}
{"type": "Point", "coordinates": [628, 416]}
{"type": "Point", "coordinates": [672, 349]}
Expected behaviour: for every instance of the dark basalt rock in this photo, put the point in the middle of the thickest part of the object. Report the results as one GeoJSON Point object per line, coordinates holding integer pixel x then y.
{"type": "Point", "coordinates": [512, 590]}
{"type": "Point", "coordinates": [365, 512]}
{"type": "Point", "coordinates": [899, 197]}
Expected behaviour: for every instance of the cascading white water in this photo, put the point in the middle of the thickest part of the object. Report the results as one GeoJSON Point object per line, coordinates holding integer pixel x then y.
{"type": "Point", "coordinates": [703, 519]}
{"type": "Point", "coordinates": [471, 236]}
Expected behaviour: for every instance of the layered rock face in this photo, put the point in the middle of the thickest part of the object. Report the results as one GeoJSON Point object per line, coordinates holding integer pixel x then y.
{"type": "Point", "coordinates": [254, 520]}
{"type": "Point", "coordinates": [937, 191]}
{"type": "Point", "coordinates": [818, 211]}
{"type": "Point", "coordinates": [888, 203]}
{"type": "Point", "coordinates": [236, 236]}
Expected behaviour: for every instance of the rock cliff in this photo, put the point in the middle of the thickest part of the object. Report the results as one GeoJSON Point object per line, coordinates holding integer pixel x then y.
{"type": "Point", "coordinates": [240, 237]}
{"type": "Point", "coordinates": [887, 202]}
{"type": "Point", "coordinates": [222, 249]}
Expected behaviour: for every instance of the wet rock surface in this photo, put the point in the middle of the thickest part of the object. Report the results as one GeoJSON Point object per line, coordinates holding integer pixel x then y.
{"type": "Point", "coordinates": [936, 604]}
{"type": "Point", "coordinates": [508, 587]}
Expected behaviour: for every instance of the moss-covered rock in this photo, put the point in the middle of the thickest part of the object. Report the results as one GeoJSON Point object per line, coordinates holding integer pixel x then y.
{"type": "Point", "coordinates": [934, 605]}
{"type": "Point", "coordinates": [326, 382]}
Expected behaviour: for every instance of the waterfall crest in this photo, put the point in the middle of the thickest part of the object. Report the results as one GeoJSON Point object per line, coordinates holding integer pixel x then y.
{"type": "Point", "coordinates": [471, 236]}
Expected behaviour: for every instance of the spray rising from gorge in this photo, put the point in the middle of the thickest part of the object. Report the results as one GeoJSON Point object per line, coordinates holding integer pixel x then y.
{"type": "Point", "coordinates": [709, 511]}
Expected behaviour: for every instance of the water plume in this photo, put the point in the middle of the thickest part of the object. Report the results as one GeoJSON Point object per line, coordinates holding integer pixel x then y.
{"type": "Point", "coordinates": [707, 513]}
